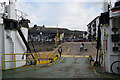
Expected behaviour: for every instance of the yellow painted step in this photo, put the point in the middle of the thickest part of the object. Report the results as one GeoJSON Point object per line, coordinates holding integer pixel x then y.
{"type": "Point", "coordinates": [92, 63]}
{"type": "Point", "coordinates": [74, 56]}
{"type": "Point", "coordinates": [43, 62]}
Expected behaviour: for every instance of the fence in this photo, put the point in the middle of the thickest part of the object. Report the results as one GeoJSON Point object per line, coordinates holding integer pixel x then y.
{"type": "Point", "coordinates": [40, 58]}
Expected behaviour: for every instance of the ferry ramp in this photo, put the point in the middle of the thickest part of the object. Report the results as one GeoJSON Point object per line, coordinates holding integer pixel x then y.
{"type": "Point", "coordinates": [70, 65]}
{"type": "Point", "coordinates": [66, 67]}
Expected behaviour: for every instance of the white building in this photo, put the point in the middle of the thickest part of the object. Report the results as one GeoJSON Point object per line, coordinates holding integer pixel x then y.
{"type": "Point", "coordinates": [92, 29]}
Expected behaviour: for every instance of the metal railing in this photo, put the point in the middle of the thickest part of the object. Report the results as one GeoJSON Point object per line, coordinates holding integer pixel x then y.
{"type": "Point", "coordinates": [40, 58]}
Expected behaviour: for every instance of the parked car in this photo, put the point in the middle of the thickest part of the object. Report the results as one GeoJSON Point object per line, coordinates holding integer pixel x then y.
{"type": "Point", "coordinates": [75, 39]}
{"type": "Point", "coordinates": [68, 39]}
{"type": "Point", "coordinates": [80, 40]}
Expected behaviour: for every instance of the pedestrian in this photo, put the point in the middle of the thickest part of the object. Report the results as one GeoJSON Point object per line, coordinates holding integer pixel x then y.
{"type": "Point", "coordinates": [60, 51]}
{"type": "Point", "coordinates": [82, 47]}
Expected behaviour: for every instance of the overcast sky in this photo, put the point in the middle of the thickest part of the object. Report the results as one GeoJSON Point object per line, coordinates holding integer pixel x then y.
{"type": "Point", "coordinates": [71, 14]}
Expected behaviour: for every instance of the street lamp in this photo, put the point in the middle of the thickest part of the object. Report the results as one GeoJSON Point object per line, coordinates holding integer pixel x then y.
{"type": "Point", "coordinates": [40, 35]}
{"type": "Point", "coordinates": [56, 42]}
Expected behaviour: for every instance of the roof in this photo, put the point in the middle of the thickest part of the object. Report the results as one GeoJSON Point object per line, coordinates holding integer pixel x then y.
{"type": "Point", "coordinates": [93, 20]}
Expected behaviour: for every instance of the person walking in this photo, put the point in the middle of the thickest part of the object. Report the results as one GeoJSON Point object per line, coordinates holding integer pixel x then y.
{"type": "Point", "coordinates": [60, 51]}
{"type": "Point", "coordinates": [82, 47]}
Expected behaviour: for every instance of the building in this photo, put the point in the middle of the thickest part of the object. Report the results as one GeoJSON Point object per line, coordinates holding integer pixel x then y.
{"type": "Point", "coordinates": [44, 34]}
{"type": "Point", "coordinates": [92, 29]}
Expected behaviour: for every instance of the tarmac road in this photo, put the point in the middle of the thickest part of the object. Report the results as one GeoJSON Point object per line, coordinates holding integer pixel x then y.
{"type": "Point", "coordinates": [75, 48]}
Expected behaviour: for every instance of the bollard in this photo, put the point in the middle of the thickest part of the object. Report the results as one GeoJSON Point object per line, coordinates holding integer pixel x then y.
{"type": "Point", "coordinates": [47, 60]}
{"type": "Point", "coordinates": [92, 63]}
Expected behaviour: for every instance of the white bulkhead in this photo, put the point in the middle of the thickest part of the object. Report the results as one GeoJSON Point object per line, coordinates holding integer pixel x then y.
{"type": "Point", "coordinates": [11, 42]}
{"type": "Point", "coordinates": [106, 39]}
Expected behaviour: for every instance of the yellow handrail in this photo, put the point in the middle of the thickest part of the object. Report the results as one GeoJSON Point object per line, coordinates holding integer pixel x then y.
{"type": "Point", "coordinates": [38, 57]}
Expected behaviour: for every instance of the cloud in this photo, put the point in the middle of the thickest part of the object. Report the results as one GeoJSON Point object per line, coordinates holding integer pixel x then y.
{"type": "Point", "coordinates": [72, 14]}
{"type": "Point", "coordinates": [65, 0]}
{"type": "Point", "coordinates": [78, 15]}
{"type": "Point", "coordinates": [66, 15]}
{"type": "Point", "coordinates": [34, 12]}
